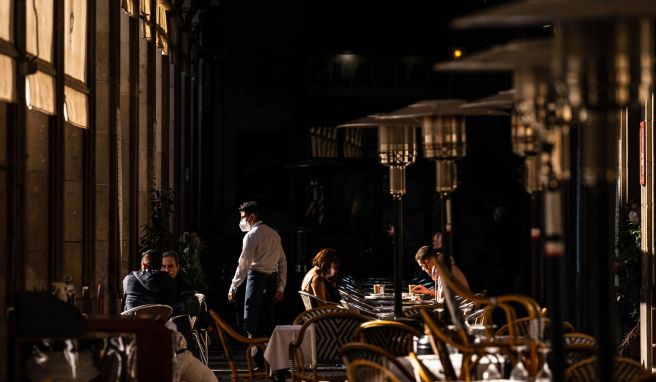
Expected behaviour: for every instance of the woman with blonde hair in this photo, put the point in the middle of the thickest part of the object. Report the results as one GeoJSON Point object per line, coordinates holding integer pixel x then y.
{"type": "Point", "coordinates": [316, 281]}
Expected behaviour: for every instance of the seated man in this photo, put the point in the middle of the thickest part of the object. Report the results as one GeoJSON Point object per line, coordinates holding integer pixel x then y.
{"type": "Point", "coordinates": [186, 303]}
{"type": "Point", "coordinates": [423, 257]}
{"type": "Point", "coordinates": [149, 285]}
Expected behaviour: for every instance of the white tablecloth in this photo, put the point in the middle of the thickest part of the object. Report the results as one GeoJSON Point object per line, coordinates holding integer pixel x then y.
{"type": "Point", "coordinates": [433, 363]}
{"type": "Point", "coordinates": [277, 350]}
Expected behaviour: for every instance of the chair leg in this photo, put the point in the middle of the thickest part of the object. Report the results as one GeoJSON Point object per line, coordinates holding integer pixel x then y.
{"type": "Point", "coordinates": [201, 341]}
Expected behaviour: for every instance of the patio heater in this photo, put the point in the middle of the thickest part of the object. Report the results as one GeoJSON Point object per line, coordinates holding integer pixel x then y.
{"type": "Point", "coordinates": [528, 60]}
{"type": "Point", "coordinates": [528, 102]}
{"type": "Point", "coordinates": [397, 149]}
{"type": "Point", "coordinates": [602, 61]}
{"type": "Point", "coordinates": [445, 141]}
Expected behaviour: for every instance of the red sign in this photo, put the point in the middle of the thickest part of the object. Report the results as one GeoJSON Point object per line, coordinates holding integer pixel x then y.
{"type": "Point", "coordinates": [643, 153]}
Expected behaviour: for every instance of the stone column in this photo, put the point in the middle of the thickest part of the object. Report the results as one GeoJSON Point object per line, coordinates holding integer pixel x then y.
{"type": "Point", "coordinates": [103, 156]}
{"type": "Point", "coordinates": [4, 186]}
{"type": "Point", "coordinates": [36, 201]}
{"type": "Point", "coordinates": [647, 235]}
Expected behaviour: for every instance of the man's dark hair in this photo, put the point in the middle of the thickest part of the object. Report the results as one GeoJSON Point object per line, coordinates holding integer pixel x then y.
{"type": "Point", "coordinates": [251, 207]}
{"type": "Point", "coordinates": [152, 258]}
{"type": "Point", "coordinates": [425, 253]}
{"type": "Point", "coordinates": [173, 255]}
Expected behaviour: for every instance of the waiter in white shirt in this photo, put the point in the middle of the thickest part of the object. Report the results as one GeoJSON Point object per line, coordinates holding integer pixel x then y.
{"type": "Point", "coordinates": [263, 265]}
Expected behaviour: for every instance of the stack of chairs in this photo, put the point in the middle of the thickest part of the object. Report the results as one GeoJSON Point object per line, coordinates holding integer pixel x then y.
{"type": "Point", "coordinates": [352, 296]}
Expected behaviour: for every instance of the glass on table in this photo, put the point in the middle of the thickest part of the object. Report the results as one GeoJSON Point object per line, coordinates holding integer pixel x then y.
{"type": "Point", "coordinates": [492, 371]}
{"type": "Point", "coordinates": [482, 333]}
{"type": "Point", "coordinates": [544, 375]}
{"type": "Point", "coordinates": [519, 372]}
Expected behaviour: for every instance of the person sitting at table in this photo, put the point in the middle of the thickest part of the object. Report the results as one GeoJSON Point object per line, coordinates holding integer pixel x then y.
{"type": "Point", "coordinates": [186, 302]}
{"type": "Point", "coordinates": [318, 280]}
{"type": "Point", "coordinates": [148, 285]}
{"type": "Point", "coordinates": [423, 257]}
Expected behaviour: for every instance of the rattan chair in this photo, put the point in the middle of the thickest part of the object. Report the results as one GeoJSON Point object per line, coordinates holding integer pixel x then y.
{"type": "Point", "coordinates": [578, 347]}
{"type": "Point", "coordinates": [414, 311]}
{"type": "Point", "coordinates": [506, 303]}
{"type": "Point", "coordinates": [541, 327]}
{"type": "Point", "coordinates": [624, 369]}
{"type": "Point", "coordinates": [362, 370]}
{"type": "Point", "coordinates": [577, 338]}
{"type": "Point", "coordinates": [311, 301]}
{"type": "Point", "coordinates": [425, 375]}
{"type": "Point", "coordinates": [331, 330]}
{"type": "Point", "coordinates": [156, 311]}
{"type": "Point", "coordinates": [359, 350]}
{"type": "Point", "coordinates": [199, 330]}
{"type": "Point", "coordinates": [393, 336]}
{"type": "Point", "coordinates": [227, 336]}
{"type": "Point", "coordinates": [503, 302]}
{"type": "Point", "coordinates": [307, 314]}
{"type": "Point", "coordinates": [440, 337]}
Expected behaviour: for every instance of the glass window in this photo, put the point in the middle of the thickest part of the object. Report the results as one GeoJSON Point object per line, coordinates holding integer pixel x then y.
{"type": "Point", "coordinates": [75, 48]}
{"type": "Point", "coordinates": [145, 18]}
{"type": "Point", "coordinates": [75, 38]}
{"type": "Point", "coordinates": [40, 87]}
{"type": "Point", "coordinates": [128, 6]}
{"type": "Point", "coordinates": [162, 27]}
{"type": "Point", "coordinates": [7, 63]}
{"type": "Point", "coordinates": [7, 80]}
{"type": "Point", "coordinates": [40, 92]}
{"type": "Point", "coordinates": [6, 25]}
{"type": "Point", "coordinates": [39, 15]}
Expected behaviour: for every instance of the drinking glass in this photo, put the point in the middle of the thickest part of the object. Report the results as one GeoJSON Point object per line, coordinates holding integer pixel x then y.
{"type": "Point", "coordinates": [544, 375]}
{"type": "Point", "coordinates": [481, 331]}
{"type": "Point", "coordinates": [492, 371]}
{"type": "Point", "coordinates": [519, 372]}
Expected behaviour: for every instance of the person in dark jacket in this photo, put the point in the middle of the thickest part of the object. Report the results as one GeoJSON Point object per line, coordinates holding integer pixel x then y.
{"type": "Point", "coordinates": [149, 285]}
{"type": "Point", "coordinates": [186, 303]}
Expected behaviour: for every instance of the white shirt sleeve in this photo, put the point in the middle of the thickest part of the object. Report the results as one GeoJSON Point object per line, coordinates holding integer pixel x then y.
{"type": "Point", "coordinates": [245, 260]}
{"type": "Point", "coordinates": [282, 271]}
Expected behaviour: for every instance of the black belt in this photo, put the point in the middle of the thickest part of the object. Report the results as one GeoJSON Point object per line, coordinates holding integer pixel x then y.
{"type": "Point", "coordinates": [264, 273]}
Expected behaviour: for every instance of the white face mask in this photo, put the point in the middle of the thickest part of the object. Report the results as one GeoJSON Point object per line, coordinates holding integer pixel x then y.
{"type": "Point", "coordinates": [244, 226]}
